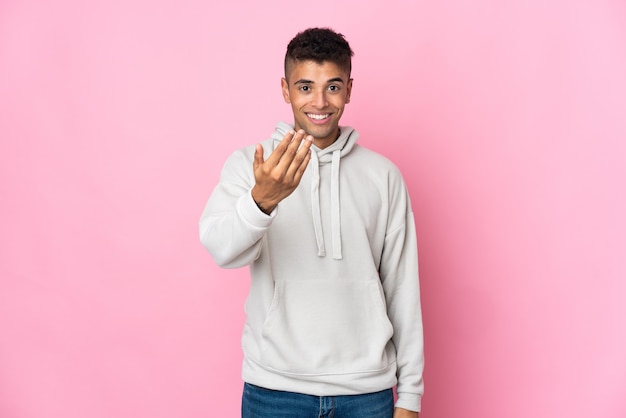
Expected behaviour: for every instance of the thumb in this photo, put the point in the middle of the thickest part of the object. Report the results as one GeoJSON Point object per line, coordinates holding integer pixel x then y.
{"type": "Point", "coordinates": [258, 156]}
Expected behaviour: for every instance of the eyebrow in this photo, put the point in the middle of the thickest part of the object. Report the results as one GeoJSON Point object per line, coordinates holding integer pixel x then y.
{"type": "Point", "coordinates": [332, 80]}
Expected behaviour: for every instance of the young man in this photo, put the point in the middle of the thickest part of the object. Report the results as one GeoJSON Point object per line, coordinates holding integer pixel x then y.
{"type": "Point", "coordinates": [333, 314]}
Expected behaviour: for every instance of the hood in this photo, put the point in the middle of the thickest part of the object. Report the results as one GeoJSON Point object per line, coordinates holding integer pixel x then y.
{"type": "Point", "coordinates": [329, 155]}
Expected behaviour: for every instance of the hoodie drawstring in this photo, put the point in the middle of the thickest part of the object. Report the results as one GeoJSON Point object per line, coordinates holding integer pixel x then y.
{"type": "Point", "coordinates": [315, 205]}
{"type": "Point", "coordinates": [335, 210]}
{"type": "Point", "coordinates": [334, 205]}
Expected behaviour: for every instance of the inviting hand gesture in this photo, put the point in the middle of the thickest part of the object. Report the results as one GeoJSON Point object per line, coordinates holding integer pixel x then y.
{"type": "Point", "coordinates": [279, 175]}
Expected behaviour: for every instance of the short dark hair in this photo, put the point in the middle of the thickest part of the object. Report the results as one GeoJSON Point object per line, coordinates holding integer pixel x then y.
{"type": "Point", "coordinates": [319, 45]}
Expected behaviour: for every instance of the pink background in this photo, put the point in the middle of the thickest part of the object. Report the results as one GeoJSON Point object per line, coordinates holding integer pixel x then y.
{"type": "Point", "coordinates": [508, 120]}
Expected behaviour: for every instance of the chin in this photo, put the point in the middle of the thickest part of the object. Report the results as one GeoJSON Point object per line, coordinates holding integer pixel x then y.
{"type": "Point", "coordinates": [323, 133]}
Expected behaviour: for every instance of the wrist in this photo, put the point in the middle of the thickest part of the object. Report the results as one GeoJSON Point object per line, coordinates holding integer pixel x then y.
{"type": "Point", "coordinates": [264, 207]}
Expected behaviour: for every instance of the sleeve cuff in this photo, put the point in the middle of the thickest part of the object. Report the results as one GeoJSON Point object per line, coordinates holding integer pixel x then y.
{"type": "Point", "coordinates": [251, 213]}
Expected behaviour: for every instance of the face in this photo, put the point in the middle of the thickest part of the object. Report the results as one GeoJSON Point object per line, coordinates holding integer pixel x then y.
{"type": "Point", "coordinates": [317, 94]}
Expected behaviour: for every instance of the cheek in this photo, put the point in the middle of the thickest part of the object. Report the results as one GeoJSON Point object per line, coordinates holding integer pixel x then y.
{"type": "Point", "coordinates": [340, 102]}
{"type": "Point", "coordinates": [295, 100]}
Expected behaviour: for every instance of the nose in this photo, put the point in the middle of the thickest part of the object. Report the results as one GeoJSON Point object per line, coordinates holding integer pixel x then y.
{"type": "Point", "coordinates": [319, 99]}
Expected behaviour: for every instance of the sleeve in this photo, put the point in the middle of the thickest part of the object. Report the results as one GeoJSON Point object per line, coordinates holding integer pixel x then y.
{"type": "Point", "coordinates": [400, 279]}
{"type": "Point", "coordinates": [232, 226]}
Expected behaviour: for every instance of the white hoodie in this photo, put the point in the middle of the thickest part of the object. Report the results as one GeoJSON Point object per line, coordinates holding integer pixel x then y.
{"type": "Point", "coordinates": [334, 304]}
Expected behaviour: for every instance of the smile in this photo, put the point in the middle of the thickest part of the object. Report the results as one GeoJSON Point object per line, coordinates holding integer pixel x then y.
{"type": "Point", "coordinates": [318, 117]}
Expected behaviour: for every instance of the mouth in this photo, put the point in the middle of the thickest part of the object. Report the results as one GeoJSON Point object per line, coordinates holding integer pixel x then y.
{"type": "Point", "coordinates": [318, 117]}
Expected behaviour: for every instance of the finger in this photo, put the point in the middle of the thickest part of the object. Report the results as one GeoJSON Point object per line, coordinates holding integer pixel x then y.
{"type": "Point", "coordinates": [301, 169]}
{"type": "Point", "coordinates": [291, 152]}
{"type": "Point", "coordinates": [281, 148]}
{"type": "Point", "coordinates": [299, 160]}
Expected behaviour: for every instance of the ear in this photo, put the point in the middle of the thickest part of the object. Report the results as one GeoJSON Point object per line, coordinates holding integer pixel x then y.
{"type": "Point", "coordinates": [348, 91]}
{"type": "Point", "coordinates": [285, 88]}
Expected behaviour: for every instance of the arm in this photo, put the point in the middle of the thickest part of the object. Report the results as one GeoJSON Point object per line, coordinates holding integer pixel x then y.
{"type": "Point", "coordinates": [400, 279]}
{"type": "Point", "coordinates": [242, 206]}
{"type": "Point", "coordinates": [404, 413]}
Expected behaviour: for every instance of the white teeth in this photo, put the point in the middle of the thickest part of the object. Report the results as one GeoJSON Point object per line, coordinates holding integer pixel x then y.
{"type": "Point", "coordinates": [317, 117]}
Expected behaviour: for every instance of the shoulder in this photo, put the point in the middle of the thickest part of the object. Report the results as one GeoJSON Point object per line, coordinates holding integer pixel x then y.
{"type": "Point", "coordinates": [244, 156]}
{"type": "Point", "coordinates": [373, 162]}
{"type": "Point", "coordinates": [238, 166]}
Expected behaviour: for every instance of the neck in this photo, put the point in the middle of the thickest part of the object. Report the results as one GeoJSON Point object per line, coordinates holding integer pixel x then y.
{"type": "Point", "coordinates": [322, 143]}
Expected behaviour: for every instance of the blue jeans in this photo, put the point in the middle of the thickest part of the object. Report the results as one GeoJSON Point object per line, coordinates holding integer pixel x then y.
{"type": "Point", "coordinates": [258, 402]}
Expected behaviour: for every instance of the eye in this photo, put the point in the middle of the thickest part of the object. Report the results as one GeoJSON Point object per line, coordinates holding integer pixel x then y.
{"type": "Point", "coordinates": [333, 88]}
{"type": "Point", "coordinates": [305, 88]}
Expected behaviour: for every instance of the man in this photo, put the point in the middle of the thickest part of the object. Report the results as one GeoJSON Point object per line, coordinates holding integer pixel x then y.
{"type": "Point", "coordinates": [333, 314]}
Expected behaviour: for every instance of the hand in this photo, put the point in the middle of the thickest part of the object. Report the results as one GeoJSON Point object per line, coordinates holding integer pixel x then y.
{"type": "Point", "coordinates": [279, 175]}
{"type": "Point", "coordinates": [404, 413]}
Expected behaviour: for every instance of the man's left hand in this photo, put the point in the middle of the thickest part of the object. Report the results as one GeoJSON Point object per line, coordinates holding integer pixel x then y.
{"type": "Point", "coordinates": [404, 413]}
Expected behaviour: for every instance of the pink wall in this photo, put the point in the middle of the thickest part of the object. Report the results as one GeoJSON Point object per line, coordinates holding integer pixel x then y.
{"type": "Point", "coordinates": [507, 118]}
